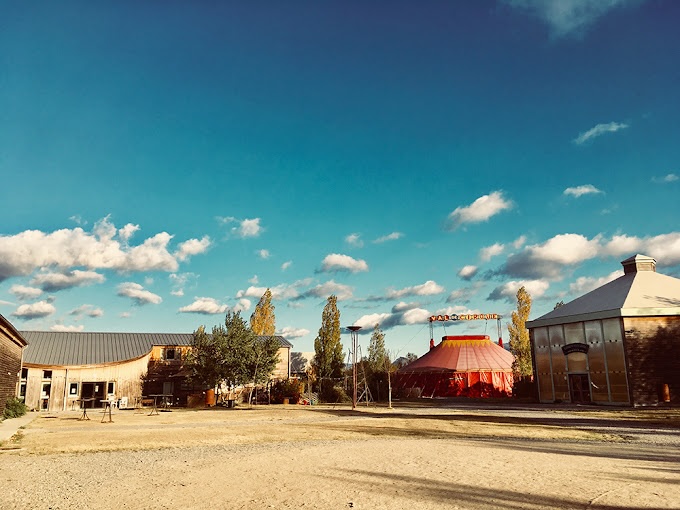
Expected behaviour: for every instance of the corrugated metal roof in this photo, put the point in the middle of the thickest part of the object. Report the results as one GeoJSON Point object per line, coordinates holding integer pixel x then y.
{"type": "Point", "coordinates": [636, 294]}
{"type": "Point", "coordinates": [57, 348]}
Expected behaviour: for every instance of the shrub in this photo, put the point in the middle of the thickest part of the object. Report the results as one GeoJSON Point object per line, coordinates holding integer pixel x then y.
{"type": "Point", "coordinates": [333, 395]}
{"type": "Point", "coordinates": [14, 408]}
{"type": "Point", "coordinates": [288, 388]}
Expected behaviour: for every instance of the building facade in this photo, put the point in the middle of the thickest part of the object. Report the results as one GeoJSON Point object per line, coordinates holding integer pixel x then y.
{"type": "Point", "coordinates": [618, 344]}
{"type": "Point", "coordinates": [12, 344]}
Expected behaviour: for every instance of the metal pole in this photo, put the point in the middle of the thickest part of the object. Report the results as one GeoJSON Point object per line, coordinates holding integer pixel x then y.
{"type": "Point", "coordinates": [354, 335]}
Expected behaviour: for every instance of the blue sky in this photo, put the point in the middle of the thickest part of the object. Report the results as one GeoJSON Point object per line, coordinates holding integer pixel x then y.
{"type": "Point", "coordinates": [165, 162]}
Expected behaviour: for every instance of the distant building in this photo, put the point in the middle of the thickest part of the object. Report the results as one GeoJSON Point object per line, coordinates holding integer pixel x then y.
{"type": "Point", "coordinates": [60, 369]}
{"type": "Point", "coordinates": [12, 344]}
{"type": "Point", "coordinates": [619, 344]}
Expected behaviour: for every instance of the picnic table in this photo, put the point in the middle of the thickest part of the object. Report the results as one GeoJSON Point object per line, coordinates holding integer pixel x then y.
{"type": "Point", "coordinates": [164, 402]}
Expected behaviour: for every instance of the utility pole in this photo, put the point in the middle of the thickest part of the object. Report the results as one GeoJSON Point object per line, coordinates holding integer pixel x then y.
{"type": "Point", "coordinates": [355, 341]}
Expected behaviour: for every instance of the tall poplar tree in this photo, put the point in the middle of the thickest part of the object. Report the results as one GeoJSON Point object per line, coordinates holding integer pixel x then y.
{"type": "Point", "coordinates": [520, 346]}
{"type": "Point", "coordinates": [376, 350]}
{"type": "Point", "coordinates": [328, 359]}
{"type": "Point", "coordinates": [263, 320]}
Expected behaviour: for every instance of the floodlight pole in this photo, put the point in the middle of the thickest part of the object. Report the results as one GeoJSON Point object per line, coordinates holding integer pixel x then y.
{"type": "Point", "coordinates": [355, 341]}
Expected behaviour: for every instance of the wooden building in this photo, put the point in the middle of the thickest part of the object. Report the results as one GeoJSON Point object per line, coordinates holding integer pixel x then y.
{"type": "Point", "coordinates": [62, 370]}
{"type": "Point", "coordinates": [11, 349]}
{"type": "Point", "coordinates": [618, 344]}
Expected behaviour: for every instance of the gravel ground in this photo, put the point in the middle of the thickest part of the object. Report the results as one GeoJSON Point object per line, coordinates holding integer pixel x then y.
{"type": "Point", "coordinates": [413, 457]}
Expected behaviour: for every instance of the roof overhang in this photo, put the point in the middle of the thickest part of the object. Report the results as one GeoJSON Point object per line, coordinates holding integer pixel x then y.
{"type": "Point", "coordinates": [604, 314]}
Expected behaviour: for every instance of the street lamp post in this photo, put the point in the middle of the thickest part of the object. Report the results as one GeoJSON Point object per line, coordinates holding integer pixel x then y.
{"type": "Point", "coordinates": [355, 341]}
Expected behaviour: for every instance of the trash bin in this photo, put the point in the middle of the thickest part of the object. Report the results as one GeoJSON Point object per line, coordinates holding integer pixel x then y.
{"type": "Point", "coordinates": [210, 397]}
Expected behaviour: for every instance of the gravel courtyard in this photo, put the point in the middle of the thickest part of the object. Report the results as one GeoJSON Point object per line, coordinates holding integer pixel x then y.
{"type": "Point", "coordinates": [457, 455]}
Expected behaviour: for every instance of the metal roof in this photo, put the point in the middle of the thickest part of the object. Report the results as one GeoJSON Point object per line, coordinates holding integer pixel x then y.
{"type": "Point", "coordinates": [641, 293]}
{"type": "Point", "coordinates": [56, 348]}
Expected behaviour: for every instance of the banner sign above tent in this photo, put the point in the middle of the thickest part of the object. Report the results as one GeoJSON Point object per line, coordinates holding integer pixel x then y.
{"type": "Point", "coordinates": [464, 317]}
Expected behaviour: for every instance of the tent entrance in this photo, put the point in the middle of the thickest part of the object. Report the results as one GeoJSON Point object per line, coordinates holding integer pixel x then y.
{"type": "Point", "coordinates": [579, 388]}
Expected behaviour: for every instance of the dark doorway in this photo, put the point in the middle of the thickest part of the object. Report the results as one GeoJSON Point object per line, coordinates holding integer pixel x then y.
{"type": "Point", "coordinates": [579, 387]}
{"type": "Point", "coordinates": [93, 391]}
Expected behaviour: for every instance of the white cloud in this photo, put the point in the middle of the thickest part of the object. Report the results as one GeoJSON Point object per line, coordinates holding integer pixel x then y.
{"type": "Point", "coordinates": [488, 252]}
{"type": "Point", "coordinates": [519, 242]}
{"type": "Point", "coordinates": [192, 247]}
{"type": "Point", "coordinates": [263, 254]}
{"type": "Point", "coordinates": [127, 231]}
{"type": "Point", "coordinates": [585, 284]}
{"type": "Point", "coordinates": [343, 292]}
{"type": "Point", "coordinates": [547, 260]}
{"type": "Point", "coordinates": [398, 317]}
{"type": "Point", "coordinates": [579, 191]}
{"type": "Point", "coordinates": [508, 291]}
{"type": "Point", "coordinates": [289, 332]}
{"type": "Point", "coordinates": [282, 291]}
{"type": "Point", "coordinates": [67, 329]}
{"type": "Point", "coordinates": [89, 310]}
{"type": "Point", "coordinates": [429, 288]}
{"type": "Point", "coordinates": [286, 265]}
{"type": "Point", "coordinates": [53, 282]}
{"type": "Point", "coordinates": [23, 253]}
{"type": "Point", "coordinates": [205, 306]}
{"type": "Point", "coordinates": [467, 272]}
{"type": "Point", "coordinates": [666, 178]}
{"type": "Point", "coordinates": [568, 16]}
{"type": "Point", "coordinates": [369, 321]}
{"type": "Point", "coordinates": [23, 292]}
{"type": "Point", "coordinates": [138, 294]}
{"type": "Point", "coordinates": [243, 305]}
{"type": "Point", "coordinates": [465, 294]}
{"type": "Point", "coordinates": [389, 237]}
{"type": "Point", "coordinates": [179, 281]}
{"type": "Point", "coordinates": [254, 280]}
{"type": "Point", "coordinates": [480, 210]}
{"type": "Point", "coordinates": [246, 228]}
{"type": "Point", "coordinates": [125, 315]}
{"type": "Point", "coordinates": [665, 248]}
{"type": "Point", "coordinates": [336, 262]}
{"type": "Point", "coordinates": [354, 240]}
{"type": "Point", "coordinates": [35, 310]}
{"type": "Point", "coordinates": [599, 130]}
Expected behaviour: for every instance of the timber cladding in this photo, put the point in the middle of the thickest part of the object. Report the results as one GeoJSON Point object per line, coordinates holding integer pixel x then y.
{"type": "Point", "coordinates": [653, 352]}
{"type": "Point", "coordinates": [11, 346]}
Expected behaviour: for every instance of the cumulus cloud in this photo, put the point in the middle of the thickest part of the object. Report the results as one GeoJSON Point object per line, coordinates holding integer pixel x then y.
{"type": "Point", "coordinates": [568, 16]}
{"type": "Point", "coordinates": [336, 262]}
{"type": "Point", "coordinates": [180, 281]}
{"type": "Point", "coordinates": [323, 290]}
{"type": "Point", "coordinates": [67, 329]}
{"type": "Point", "coordinates": [403, 314]}
{"type": "Point", "coordinates": [429, 288]}
{"type": "Point", "coordinates": [243, 305]}
{"type": "Point", "coordinates": [519, 242]}
{"type": "Point", "coordinates": [488, 252]}
{"type": "Point", "coordinates": [579, 191]}
{"type": "Point", "coordinates": [53, 282]}
{"type": "Point", "coordinates": [192, 247]}
{"type": "Point", "coordinates": [102, 248]}
{"type": "Point", "coordinates": [665, 179]}
{"type": "Point", "coordinates": [389, 237]}
{"type": "Point", "coordinates": [354, 240]}
{"type": "Point", "coordinates": [127, 231]}
{"type": "Point", "coordinates": [138, 294]}
{"type": "Point", "coordinates": [585, 284]}
{"type": "Point", "coordinates": [89, 310]}
{"type": "Point", "coordinates": [665, 248]}
{"type": "Point", "coordinates": [205, 306]}
{"type": "Point", "coordinates": [290, 332]}
{"type": "Point", "coordinates": [547, 260]}
{"type": "Point", "coordinates": [467, 272]}
{"type": "Point", "coordinates": [35, 310]}
{"type": "Point", "coordinates": [263, 254]}
{"type": "Point", "coordinates": [480, 210]}
{"type": "Point", "coordinates": [249, 227]}
{"type": "Point", "coordinates": [508, 291]}
{"type": "Point", "coordinates": [599, 130]}
{"type": "Point", "coordinates": [254, 280]}
{"type": "Point", "coordinates": [464, 295]}
{"type": "Point", "coordinates": [24, 292]}
{"type": "Point", "coordinates": [286, 265]}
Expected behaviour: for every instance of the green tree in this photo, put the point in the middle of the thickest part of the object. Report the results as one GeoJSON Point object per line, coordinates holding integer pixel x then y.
{"type": "Point", "coordinates": [328, 359]}
{"type": "Point", "coordinates": [376, 350]}
{"type": "Point", "coordinates": [205, 360]}
{"type": "Point", "coordinates": [263, 320]}
{"type": "Point", "coordinates": [520, 345]}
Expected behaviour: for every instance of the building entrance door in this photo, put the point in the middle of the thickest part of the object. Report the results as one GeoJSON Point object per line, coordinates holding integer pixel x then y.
{"type": "Point", "coordinates": [93, 392]}
{"type": "Point", "coordinates": [579, 388]}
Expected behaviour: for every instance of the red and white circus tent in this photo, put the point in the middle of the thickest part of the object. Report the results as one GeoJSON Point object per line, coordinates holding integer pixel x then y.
{"type": "Point", "coordinates": [460, 366]}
